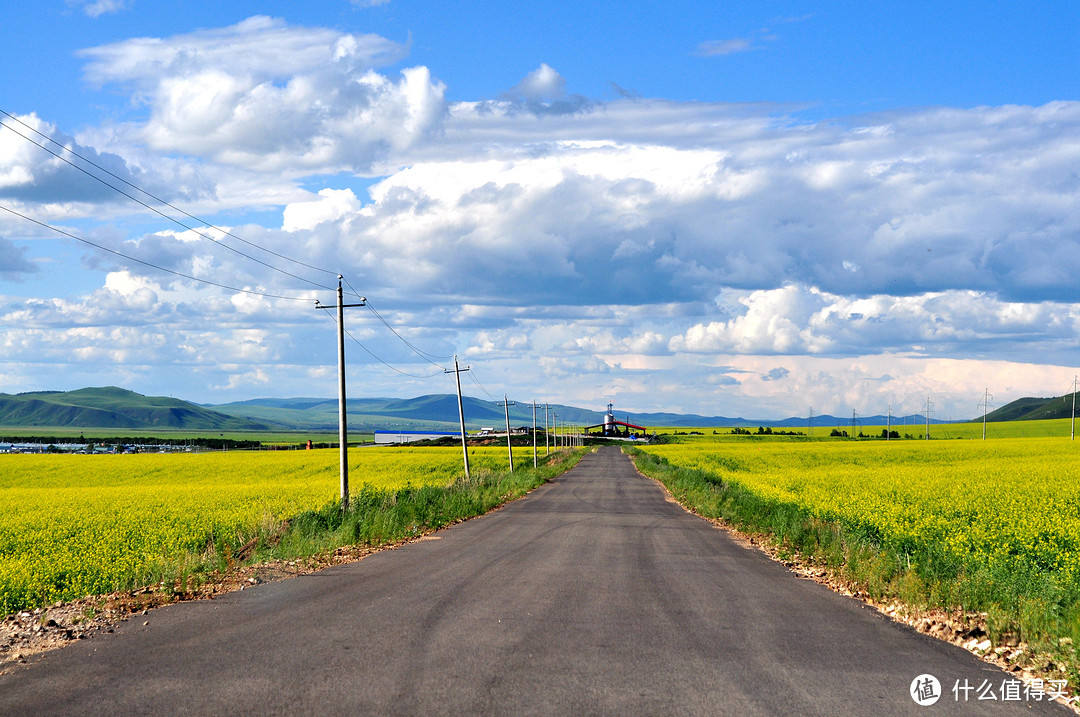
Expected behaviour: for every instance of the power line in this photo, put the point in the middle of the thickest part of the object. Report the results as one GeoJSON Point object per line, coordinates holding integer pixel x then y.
{"type": "Point", "coordinates": [419, 352]}
{"type": "Point", "coordinates": [481, 387]}
{"type": "Point", "coordinates": [427, 356]}
{"type": "Point", "coordinates": [151, 264]}
{"type": "Point", "coordinates": [182, 275]}
{"type": "Point", "coordinates": [422, 354]}
{"type": "Point", "coordinates": [352, 291]}
{"type": "Point", "coordinates": [377, 358]}
{"type": "Point", "coordinates": [162, 201]}
{"type": "Point", "coordinates": [153, 196]}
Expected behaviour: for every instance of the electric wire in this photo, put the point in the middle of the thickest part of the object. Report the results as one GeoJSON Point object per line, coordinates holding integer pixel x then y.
{"type": "Point", "coordinates": [158, 211]}
{"type": "Point", "coordinates": [151, 264]}
{"type": "Point", "coordinates": [217, 284]}
{"type": "Point", "coordinates": [422, 354]}
{"type": "Point", "coordinates": [159, 199]}
{"type": "Point", "coordinates": [372, 354]}
{"type": "Point", "coordinates": [351, 290]}
{"type": "Point", "coordinates": [419, 352]}
{"type": "Point", "coordinates": [481, 387]}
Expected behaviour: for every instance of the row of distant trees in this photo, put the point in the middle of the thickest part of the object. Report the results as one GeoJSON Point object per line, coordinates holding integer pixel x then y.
{"type": "Point", "coordinates": [836, 433]}
{"type": "Point", "coordinates": [764, 431]}
{"type": "Point", "coordinates": [885, 433]}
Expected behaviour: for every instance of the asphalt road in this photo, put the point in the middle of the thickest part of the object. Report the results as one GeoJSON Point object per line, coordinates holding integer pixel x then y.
{"type": "Point", "coordinates": [592, 595]}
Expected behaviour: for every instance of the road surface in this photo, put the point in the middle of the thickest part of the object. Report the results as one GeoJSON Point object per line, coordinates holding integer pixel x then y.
{"type": "Point", "coordinates": [592, 595]}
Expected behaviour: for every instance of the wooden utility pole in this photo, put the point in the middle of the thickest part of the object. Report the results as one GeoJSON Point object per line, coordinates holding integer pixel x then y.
{"type": "Point", "coordinates": [506, 404]}
{"type": "Point", "coordinates": [547, 431]}
{"type": "Point", "coordinates": [535, 461]}
{"type": "Point", "coordinates": [343, 437]}
{"type": "Point", "coordinates": [461, 412]}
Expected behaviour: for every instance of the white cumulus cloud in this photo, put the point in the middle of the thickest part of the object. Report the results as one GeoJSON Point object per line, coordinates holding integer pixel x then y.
{"type": "Point", "coordinates": [272, 96]}
{"type": "Point", "coordinates": [543, 83]}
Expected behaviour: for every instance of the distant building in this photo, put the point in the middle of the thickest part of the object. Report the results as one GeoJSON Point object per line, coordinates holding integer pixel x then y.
{"type": "Point", "coordinates": [613, 428]}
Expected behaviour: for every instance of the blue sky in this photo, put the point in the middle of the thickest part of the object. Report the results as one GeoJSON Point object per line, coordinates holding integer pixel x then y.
{"type": "Point", "coordinates": [740, 209]}
{"type": "Point", "coordinates": [842, 58]}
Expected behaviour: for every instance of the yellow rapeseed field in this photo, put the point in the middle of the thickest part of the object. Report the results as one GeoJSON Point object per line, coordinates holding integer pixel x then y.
{"type": "Point", "coordinates": [1008, 505]}
{"type": "Point", "coordinates": [73, 525]}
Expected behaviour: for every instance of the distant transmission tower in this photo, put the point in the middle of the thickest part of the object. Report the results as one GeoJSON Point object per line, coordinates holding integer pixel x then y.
{"type": "Point", "coordinates": [929, 407]}
{"type": "Point", "coordinates": [985, 406]}
{"type": "Point", "coordinates": [1072, 431]}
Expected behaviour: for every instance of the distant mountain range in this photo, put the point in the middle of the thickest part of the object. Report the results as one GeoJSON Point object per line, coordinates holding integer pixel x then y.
{"type": "Point", "coordinates": [441, 411]}
{"type": "Point", "coordinates": [113, 407]}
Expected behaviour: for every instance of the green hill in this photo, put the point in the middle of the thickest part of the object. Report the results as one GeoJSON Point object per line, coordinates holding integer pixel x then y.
{"type": "Point", "coordinates": [112, 407]}
{"type": "Point", "coordinates": [435, 411]}
{"type": "Point", "coordinates": [1033, 409]}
